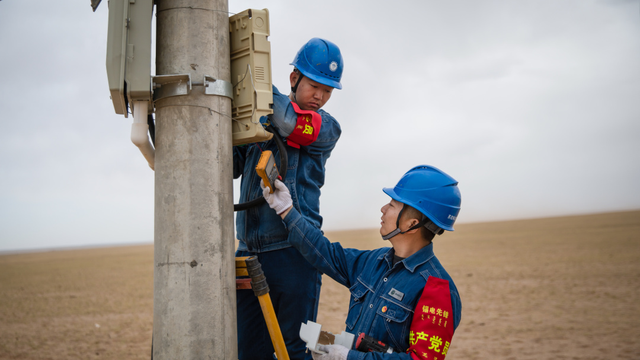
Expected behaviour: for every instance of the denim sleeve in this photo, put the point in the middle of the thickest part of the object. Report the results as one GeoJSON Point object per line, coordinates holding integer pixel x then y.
{"type": "Point", "coordinates": [284, 119]}
{"type": "Point", "coordinates": [329, 134]}
{"type": "Point", "coordinates": [239, 158]}
{"type": "Point", "coordinates": [342, 265]}
{"type": "Point", "coordinates": [456, 306]}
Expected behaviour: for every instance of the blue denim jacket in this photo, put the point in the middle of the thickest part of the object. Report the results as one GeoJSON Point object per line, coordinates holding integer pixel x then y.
{"type": "Point", "coordinates": [259, 228]}
{"type": "Point", "coordinates": [370, 277]}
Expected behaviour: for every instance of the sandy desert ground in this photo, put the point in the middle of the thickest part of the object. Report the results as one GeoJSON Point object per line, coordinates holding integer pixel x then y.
{"type": "Point", "coordinates": [555, 288]}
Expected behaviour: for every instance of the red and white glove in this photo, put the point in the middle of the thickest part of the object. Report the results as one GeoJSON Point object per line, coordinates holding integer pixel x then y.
{"type": "Point", "coordinates": [280, 200]}
{"type": "Point", "coordinates": [333, 352]}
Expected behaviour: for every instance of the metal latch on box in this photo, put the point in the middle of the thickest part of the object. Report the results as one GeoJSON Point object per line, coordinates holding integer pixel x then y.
{"type": "Point", "coordinates": [165, 86]}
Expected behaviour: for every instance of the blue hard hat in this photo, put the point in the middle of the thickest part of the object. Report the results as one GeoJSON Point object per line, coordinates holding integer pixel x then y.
{"type": "Point", "coordinates": [430, 191]}
{"type": "Point", "coordinates": [320, 60]}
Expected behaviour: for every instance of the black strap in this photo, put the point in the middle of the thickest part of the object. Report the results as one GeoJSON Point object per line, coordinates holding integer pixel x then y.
{"type": "Point", "coordinates": [430, 225]}
{"type": "Point", "coordinates": [295, 87]}
{"type": "Point", "coordinates": [397, 230]}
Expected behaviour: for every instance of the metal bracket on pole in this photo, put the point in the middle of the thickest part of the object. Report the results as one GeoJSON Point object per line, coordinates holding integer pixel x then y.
{"type": "Point", "coordinates": [213, 86]}
{"type": "Point", "coordinates": [171, 85]}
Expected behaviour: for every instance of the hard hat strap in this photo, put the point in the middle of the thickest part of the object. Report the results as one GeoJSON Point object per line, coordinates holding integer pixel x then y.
{"type": "Point", "coordinates": [295, 87]}
{"type": "Point", "coordinates": [391, 234]}
{"type": "Point", "coordinates": [430, 225]}
{"type": "Point", "coordinates": [397, 230]}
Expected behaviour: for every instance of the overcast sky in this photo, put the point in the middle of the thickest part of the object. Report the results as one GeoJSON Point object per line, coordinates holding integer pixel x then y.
{"type": "Point", "coordinates": [533, 106]}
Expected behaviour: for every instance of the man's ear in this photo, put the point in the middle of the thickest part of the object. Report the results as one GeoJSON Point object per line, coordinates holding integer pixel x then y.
{"type": "Point", "coordinates": [293, 78]}
{"type": "Point", "coordinates": [411, 223]}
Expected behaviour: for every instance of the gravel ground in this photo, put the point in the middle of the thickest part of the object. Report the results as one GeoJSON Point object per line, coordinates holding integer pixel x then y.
{"type": "Point", "coordinates": [556, 288]}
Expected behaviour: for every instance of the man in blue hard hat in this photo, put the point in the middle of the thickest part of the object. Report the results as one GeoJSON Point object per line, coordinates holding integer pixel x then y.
{"type": "Point", "coordinates": [310, 134]}
{"type": "Point", "coordinates": [401, 296]}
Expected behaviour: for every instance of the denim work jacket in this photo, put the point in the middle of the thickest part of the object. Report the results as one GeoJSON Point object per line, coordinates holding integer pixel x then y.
{"type": "Point", "coordinates": [371, 278]}
{"type": "Point", "coordinates": [260, 229]}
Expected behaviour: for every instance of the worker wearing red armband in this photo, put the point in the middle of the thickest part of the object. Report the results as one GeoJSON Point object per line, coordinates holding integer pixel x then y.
{"type": "Point", "coordinates": [310, 134]}
{"type": "Point", "coordinates": [400, 296]}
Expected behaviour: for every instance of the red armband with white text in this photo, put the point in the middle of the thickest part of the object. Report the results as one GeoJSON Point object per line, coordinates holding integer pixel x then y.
{"type": "Point", "coordinates": [307, 127]}
{"type": "Point", "coordinates": [432, 325]}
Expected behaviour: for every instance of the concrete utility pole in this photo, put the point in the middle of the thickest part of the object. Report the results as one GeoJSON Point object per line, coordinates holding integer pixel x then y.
{"type": "Point", "coordinates": [194, 315]}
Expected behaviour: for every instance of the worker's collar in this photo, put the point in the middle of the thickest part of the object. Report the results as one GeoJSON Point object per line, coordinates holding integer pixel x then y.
{"type": "Point", "coordinates": [412, 262]}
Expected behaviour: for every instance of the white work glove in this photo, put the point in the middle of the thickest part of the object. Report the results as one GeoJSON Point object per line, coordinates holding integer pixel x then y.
{"type": "Point", "coordinates": [333, 352]}
{"type": "Point", "coordinates": [280, 200]}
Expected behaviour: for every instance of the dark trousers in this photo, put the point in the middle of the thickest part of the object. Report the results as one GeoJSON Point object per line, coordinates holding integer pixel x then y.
{"type": "Point", "coordinates": [294, 288]}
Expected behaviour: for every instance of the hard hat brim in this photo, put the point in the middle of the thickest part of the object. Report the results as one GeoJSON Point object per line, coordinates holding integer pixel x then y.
{"type": "Point", "coordinates": [320, 80]}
